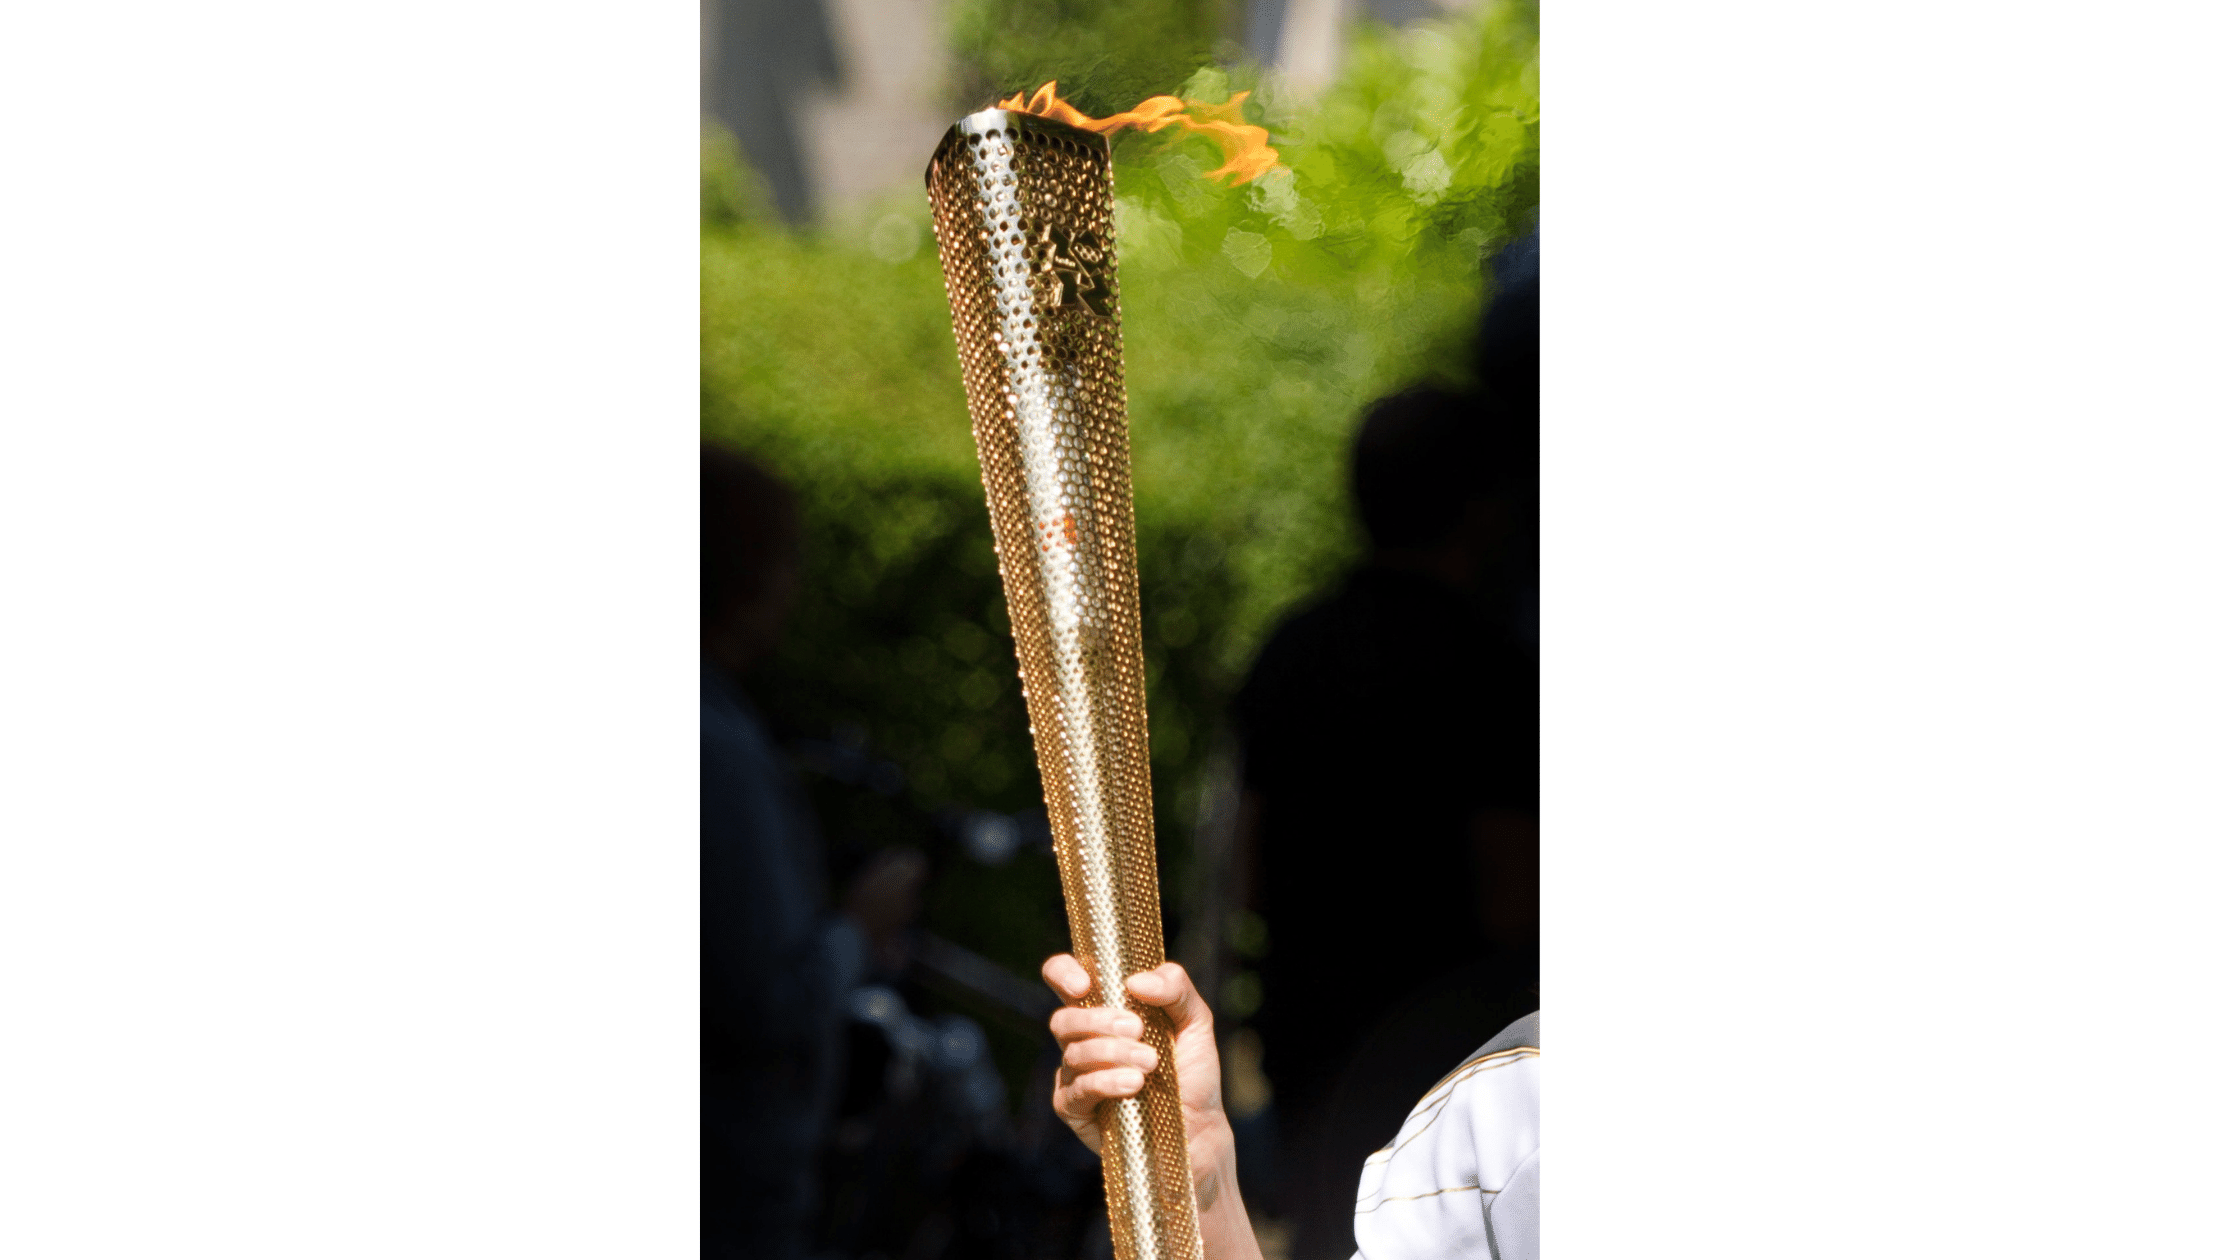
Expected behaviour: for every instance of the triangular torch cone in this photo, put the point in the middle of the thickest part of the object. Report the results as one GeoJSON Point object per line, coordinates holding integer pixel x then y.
{"type": "Point", "coordinates": [1022, 207]}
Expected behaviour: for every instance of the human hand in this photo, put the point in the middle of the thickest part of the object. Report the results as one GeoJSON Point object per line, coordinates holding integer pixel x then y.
{"type": "Point", "coordinates": [1105, 1058]}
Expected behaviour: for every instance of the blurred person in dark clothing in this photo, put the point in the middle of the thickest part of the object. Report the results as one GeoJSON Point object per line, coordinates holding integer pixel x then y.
{"type": "Point", "coordinates": [1390, 822]}
{"type": "Point", "coordinates": [776, 964]}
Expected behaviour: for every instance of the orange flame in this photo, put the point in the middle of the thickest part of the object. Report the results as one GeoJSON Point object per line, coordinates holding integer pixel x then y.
{"type": "Point", "coordinates": [1244, 147]}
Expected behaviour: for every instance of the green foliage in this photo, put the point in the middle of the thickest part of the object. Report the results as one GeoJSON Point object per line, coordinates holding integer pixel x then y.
{"type": "Point", "coordinates": [1259, 321]}
{"type": "Point", "coordinates": [1105, 54]}
{"type": "Point", "coordinates": [730, 193]}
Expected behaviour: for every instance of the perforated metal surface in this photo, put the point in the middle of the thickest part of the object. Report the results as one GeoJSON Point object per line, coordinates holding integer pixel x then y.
{"type": "Point", "coordinates": [1022, 207]}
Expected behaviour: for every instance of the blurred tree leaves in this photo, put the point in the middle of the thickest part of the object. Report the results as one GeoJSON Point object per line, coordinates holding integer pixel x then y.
{"type": "Point", "coordinates": [1106, 54]}
{"type": "Point", "coordinates": [1260, 320]}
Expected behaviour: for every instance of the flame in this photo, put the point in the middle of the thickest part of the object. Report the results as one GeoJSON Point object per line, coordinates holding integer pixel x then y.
{"type": "Point", "coordinates": [1244, 147]}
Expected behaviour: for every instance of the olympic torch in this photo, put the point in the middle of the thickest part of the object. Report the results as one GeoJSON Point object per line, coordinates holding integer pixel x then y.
{"type": "Point", "coordinates": [1022, 207]}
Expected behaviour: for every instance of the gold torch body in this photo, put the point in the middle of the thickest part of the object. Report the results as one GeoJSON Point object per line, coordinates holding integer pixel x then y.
{"type": "Point", "coordinates": [1022, 208]}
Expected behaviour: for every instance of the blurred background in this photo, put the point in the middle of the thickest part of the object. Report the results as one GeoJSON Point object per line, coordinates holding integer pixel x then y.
{"type": "Point", "coordinates": [1261, 322]}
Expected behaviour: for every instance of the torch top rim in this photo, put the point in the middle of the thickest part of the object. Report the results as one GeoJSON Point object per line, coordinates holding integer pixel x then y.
{"type": "Point", "coordinates": [996, 119]}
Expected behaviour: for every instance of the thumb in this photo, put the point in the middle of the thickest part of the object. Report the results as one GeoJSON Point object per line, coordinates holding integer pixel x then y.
{"type": "Point", "coordinates": [1168, 987]}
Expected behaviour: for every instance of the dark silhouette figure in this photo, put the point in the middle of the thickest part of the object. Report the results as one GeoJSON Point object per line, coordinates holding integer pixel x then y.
{"type": "Point", "coordinates": [775, 964]}
{"type": "Point", "coordinates": [1391, 802]}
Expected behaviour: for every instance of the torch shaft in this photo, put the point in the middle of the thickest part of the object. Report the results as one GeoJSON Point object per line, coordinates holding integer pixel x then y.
{"type": "Point", "coordinates": [1022, 208]}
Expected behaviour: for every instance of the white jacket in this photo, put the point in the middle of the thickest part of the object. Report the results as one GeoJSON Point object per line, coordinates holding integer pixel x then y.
{"type": "Point", "coordinates": [1461, 1180]}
